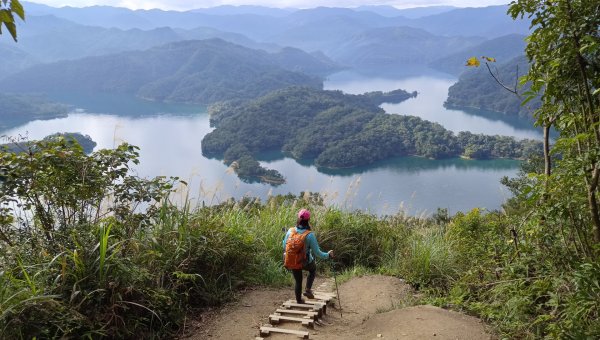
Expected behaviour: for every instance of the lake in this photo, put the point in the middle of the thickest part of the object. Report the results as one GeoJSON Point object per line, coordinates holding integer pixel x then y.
{"type": "Point", "coordinates": [169, 136]}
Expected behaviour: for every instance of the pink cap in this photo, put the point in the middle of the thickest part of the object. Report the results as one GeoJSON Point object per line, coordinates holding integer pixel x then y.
{"type": "Point", "coordinates": [304, 214]}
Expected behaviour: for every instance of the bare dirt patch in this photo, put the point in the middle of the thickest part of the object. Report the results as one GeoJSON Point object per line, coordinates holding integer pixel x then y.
{"type": "Point", "coordinates": [373, 307]}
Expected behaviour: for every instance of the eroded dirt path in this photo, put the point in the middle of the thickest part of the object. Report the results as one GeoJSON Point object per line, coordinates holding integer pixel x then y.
{"type": "Point", "coordinates": [372, 308]}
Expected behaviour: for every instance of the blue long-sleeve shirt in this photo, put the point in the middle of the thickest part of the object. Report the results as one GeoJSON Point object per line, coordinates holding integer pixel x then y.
{"type": "Point", "coordinates": [312, 246]}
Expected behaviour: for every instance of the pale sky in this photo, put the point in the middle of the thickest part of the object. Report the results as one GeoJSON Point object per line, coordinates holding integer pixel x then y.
{"type": "Point", "coordinates": [191, 4]}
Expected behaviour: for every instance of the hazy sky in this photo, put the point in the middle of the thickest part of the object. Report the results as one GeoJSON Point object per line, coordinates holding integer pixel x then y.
{"type": "Point", "coordinates": [191, 4]}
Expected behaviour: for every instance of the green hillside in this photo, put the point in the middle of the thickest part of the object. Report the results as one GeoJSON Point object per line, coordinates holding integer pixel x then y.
{"type": "Point", "coordinates": [477, 89]}
{"type": "Point", "coordinates": [203, 72]}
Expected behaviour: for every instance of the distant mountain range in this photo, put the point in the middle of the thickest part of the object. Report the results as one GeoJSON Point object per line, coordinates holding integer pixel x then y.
{"type": "Point", "coordinates": [397, 46]}
{"type": "Point", "coordinates": [203, 71]}
{"type": "Point", "coordinates": [363, 36]}
{"type": "Point", "coordinates": [127, 42]}
{"type": "Point", "coordinates": [49, 38]}
{"type": "Point", "coordinates": [263, 24]}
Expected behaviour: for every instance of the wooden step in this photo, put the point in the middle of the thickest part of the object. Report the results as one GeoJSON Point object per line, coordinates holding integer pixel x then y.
{"type": "Point", "coordinates": [274, 319]}
{"type": "Point", "coordinates": [319, 304]}
{"type": "Point", "coordinates": [310, 302]}
{"type": "Point", "coordinates": [313, 308]}
{"type": "Point", "coordinates": [312, 315]}
{"type": "Point", "coordinates": [265, 331]}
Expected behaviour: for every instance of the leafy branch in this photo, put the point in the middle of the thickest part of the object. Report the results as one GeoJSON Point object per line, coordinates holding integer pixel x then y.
{"type": "Point", "coordinates": [7, 10]}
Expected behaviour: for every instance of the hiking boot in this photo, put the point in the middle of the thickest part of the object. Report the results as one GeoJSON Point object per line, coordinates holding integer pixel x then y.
{"type": "Point", "coordinates": [309, 294]}
{"type": "Point", "coordinates": [301, 302]}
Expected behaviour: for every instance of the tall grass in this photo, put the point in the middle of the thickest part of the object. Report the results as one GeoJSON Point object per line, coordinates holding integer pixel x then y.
{"type": "Point", "coordinates": [105, 280]}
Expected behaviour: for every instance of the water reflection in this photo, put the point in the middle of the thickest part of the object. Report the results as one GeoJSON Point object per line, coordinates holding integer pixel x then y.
{"type": "Point", "coordinates": [419, 164]}
{"type": "Point", "coordinates": [123, 104]}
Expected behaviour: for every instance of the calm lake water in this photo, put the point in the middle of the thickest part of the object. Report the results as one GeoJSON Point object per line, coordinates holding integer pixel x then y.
{"type": "Point", "coordinates": [170, 135]}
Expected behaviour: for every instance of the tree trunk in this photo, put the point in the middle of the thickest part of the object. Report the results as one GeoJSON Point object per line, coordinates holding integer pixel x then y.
{"type": "Point", "coordinates": [547, 159]}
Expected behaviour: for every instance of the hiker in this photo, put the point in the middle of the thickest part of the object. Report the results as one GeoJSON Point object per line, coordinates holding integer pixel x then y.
{"type": "Point", "coordinates": [299, 245]}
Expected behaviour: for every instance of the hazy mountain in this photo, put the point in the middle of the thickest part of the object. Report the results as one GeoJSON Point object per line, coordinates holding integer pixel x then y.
{"type": "Point", "coordinates": [201, 33]}
{"type": "Point", "coordinates": [418, 12]}
{"type": "Point", "coordinates": [324, 28]}
{"type": "Point", "coordinates": [487, 22]}
{"type": "Point", "coordinates": [397, 46]}
{"type": "Point", "coordinates": [188, 71]}
{"type": "Point", "coordinates": [251, 25]}
{"type": "Point", "coordinates": [383, 10]}
{"type": "Point", "coordinates": [411, 13]}
{"type": "Point", "coordinates": [245, 9]}
{"type": "Point", "coordinates": [503, 49]}
{"type": "Point", "coordinates": [295, 59]}
{"type": "Point", "coordinates": [311, 29]}
{"type": "Point", "coordinates": [48, 38]}
{"type": "Point", "coordinates": [477, 89]}
{"type": "Point", "coordinates": [14, 59]}
{"type": "Point", "coordinates": [104, 16]}
{"type": "Point", "coordinates": [355, 37]}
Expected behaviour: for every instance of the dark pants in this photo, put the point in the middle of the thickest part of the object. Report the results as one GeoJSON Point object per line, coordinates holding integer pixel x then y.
{"type": "Point", "coordinates": [312, 270]}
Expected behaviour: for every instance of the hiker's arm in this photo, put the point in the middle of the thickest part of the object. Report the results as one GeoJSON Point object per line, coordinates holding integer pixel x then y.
{"type": "Point", "coordinates": [285, 239]}
{"type": "Point", "coordinates": [314, 245]}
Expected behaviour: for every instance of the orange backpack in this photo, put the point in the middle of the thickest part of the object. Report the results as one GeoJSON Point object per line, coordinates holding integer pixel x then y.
{"type": "Point", "coordinates": [295, 250]}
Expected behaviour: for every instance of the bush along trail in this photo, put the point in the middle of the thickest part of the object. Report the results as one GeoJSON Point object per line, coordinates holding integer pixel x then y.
{"type": "Point", "coordinates": [89, 250]}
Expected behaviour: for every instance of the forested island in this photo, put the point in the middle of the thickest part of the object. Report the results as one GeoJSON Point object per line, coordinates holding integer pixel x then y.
{"type": "Point", "coordinates": [338, 130]}
{"type": "Point", "coordinates": [17, 109]}
{"type": "Point", "coordinates": [477, 89]}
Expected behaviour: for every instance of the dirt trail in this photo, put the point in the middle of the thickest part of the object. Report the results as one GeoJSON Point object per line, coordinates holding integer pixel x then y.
{"type": "Point", "coordinates": [372, 309]}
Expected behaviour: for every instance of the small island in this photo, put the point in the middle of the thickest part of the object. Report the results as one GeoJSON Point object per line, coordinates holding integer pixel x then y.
{"type": "Point", "coordinates": [337, 130]}
{"type": "Point", "coordinates": [16, 109]}
{"type": "Point", "coordinates": [85, 141]}
{"type": "Point", "coordinates": [248, 169]}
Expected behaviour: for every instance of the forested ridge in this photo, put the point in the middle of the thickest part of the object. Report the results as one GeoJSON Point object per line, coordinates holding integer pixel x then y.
{"type": "Point", "coordinates": [200, 71]}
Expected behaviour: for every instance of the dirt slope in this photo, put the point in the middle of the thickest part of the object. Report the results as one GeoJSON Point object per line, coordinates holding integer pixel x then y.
{"type": "Point", "coordinates": [372, 308]}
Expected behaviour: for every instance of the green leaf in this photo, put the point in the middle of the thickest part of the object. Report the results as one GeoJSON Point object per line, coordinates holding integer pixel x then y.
{"type": "Point", "coordinates": [16, 7]}
{"type": "Point", "coordinates": [6, 16]}
{"type": "Point", "coordinates": [528, 99]}
{"type": "Point", "coordinates": [12, 28]}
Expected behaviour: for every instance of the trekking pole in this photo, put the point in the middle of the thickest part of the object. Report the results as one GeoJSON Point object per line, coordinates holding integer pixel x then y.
{"type": "Point", "coordinates": [336, 288]}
